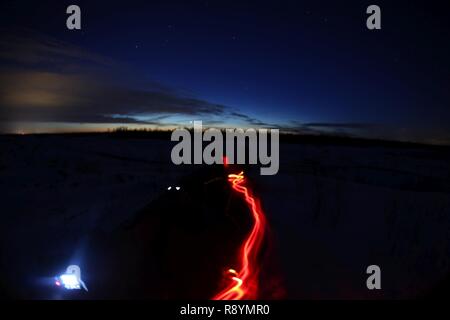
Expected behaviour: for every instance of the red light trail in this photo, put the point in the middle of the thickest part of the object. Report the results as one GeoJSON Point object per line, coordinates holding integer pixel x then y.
{"type": "Point", "coordinates": [244, 283]}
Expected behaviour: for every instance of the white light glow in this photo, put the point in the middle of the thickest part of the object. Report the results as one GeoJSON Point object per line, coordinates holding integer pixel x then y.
{"type": "Point", "coordinates": [70, 281]}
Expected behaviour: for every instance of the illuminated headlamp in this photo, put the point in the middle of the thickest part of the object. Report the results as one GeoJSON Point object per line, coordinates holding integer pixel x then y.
{"type": "Point", "coordinates": [71, 279]}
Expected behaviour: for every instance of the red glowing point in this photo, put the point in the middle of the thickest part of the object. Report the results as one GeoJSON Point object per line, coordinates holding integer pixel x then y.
{"type": "Point", "coordinates": [225, 161]}
{"type": "Point", "coordinates": [245, 282]}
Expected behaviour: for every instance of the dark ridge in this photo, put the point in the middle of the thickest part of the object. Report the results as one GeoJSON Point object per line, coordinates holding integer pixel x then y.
{"type": "Point", "coordinates": [291, 138]}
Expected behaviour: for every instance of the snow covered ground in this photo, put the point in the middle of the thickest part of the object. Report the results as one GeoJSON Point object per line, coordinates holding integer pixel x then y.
{"type": "Point", "coordinates": [56, 190]}
{"type": "Point", "coordinates": [333, 210]}
{"type": "Point", "coordinates": [336, 210]}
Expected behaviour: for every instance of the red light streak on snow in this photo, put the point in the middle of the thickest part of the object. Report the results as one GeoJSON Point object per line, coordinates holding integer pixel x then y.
{"type": "Point", "coordinates": [225, 161]}
{"type": "Point", "coordinates": [245, 282]}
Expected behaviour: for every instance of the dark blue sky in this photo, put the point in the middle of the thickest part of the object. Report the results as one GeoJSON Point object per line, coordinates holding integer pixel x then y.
{"type": "Point", "coordinates": [309, 65]}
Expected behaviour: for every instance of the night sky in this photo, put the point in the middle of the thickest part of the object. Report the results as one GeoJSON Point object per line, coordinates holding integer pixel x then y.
{"type": "Point", "coordinates": [305, 66]}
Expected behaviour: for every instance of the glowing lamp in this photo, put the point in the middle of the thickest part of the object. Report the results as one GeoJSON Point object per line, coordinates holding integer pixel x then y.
{"type": "Point", "coordinates": [71, 279]}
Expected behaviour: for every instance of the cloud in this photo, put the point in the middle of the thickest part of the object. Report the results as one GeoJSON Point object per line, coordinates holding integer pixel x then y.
{"type": "Point", "coordinates": [46, 80]}
{"type": "Point", "coordinates": [372, 130]}
{"type": "Point", "coordinates": [60, 97]}
{"type": "Point", "coordinates": [251, 120]}
{"type": "Point", "coordinates": [339, 125]}
{"type": "Point", "coordinates": [350, 128]}
{"type": "Point", "coordinates": [30, 48]}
